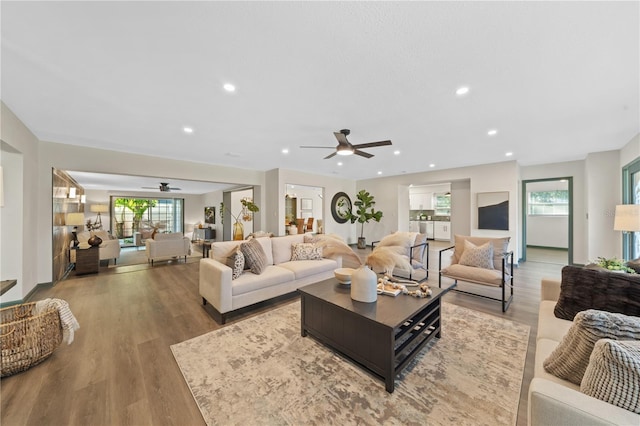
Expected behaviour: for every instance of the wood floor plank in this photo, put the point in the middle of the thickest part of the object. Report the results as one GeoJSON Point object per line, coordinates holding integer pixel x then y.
{"type": "Point", "coordinates": [120, 370]}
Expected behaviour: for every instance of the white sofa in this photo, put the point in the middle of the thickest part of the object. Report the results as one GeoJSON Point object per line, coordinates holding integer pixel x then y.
{"type": "Point", "coordinates": [554, 401]}
{"type": "Point", "coordinates": [173, 244]}
{"type": "Point", "coordinates": [281, 276]}
{"type": "Point", "coordinates": [110, 247]}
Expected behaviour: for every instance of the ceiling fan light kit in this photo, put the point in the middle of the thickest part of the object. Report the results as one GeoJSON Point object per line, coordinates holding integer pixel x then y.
{"type": "Point", "coordinates": [347, 148]}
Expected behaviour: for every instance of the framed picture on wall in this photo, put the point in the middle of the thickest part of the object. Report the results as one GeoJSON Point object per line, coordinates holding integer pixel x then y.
{"type": "Point", "coordinates": [210, 215]}
{"type": "Point", "coordinates": [493, 210]}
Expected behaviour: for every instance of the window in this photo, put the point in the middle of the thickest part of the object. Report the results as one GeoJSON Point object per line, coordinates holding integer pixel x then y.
{"type": "Point", "coordinates": [443, 204]}
{"type": "Point", "coordinates": [132, 215]}
{"type": "Point", "coordinates": [548, 203]}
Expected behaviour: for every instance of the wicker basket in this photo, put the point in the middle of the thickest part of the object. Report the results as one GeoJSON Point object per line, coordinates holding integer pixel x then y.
{"type": "Point", "coordinates": [27, 339]}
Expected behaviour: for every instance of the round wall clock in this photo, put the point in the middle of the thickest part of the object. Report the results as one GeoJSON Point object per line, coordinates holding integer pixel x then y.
{"type": "Point", "coordinates": [340, 207]}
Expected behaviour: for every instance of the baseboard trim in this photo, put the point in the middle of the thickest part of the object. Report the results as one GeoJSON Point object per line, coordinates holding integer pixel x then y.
{"type": "Point", "coordinates": [27, 298]}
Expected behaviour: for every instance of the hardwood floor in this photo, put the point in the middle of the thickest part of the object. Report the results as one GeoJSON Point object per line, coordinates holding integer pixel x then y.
{"type": "Point", "coordinates": [120, 370]}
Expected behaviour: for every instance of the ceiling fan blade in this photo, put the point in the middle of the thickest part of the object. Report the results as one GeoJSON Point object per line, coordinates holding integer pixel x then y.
{"type": "Point", "coordinates": [149, 187]}
{"type": "Point", "coordinates": [176, 189]}
{"type": "Point", "coordinates": [372, 144]}
{"type": "Point", "coordinates": [329, 156]}
{"type": "Point", "coordinates": [341, 138]}
{"type": "Point", "coordinates": [362, 154]}
{"type": "Point", "coordinates": [329, 147]}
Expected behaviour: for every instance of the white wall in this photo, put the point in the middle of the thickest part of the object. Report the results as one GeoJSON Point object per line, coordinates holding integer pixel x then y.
{"type": "Point", "coordinates": [548, 231]}
{"type": "Point", "coordinates": [27, 215]}
{"type": "Point", "coordinates": [461, 207]}
{"type": "Point", "coordinates": [631, 151]}
{"type": "Point", "coordinates": [390, 193]}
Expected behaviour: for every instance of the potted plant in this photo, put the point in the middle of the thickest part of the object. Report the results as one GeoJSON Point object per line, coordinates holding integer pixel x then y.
{"type": "Point", "coordinates": [246, 214]}
{"type": "Point", "coordinates": [364, 213]}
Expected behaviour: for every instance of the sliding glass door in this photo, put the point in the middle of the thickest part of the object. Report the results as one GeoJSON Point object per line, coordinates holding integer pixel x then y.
{"type": "Point", "coordinates": [131, 214]}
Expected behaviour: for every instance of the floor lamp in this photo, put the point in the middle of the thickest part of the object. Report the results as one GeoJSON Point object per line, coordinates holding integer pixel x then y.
{"type": "Point", "coordinates": [627, 219]}
{"type": "Point", "coordinates": [98, 208]}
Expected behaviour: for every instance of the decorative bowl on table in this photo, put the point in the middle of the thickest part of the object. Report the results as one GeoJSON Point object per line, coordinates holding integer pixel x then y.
{"type": "Point", "coordinates": [343, 275]}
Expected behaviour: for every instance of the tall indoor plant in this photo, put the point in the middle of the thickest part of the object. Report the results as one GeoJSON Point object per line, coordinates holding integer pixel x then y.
{"type": "Point", "coordinates": [364, 213]}
{"type": "Point", "coordinates": [246, 214]}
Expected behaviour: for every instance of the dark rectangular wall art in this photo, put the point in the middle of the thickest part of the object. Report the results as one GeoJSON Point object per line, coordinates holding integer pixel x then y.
{"type": "Point", "coordinates": [210, 215]}
{"type": "Point", "coordinates": [493, 210]}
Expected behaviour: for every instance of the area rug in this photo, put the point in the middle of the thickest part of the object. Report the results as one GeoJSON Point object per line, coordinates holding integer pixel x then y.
{"type": "Point", "coordinates": [261, 371]}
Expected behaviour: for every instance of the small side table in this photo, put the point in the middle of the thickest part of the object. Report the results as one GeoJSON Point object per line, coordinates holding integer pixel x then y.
{"type": "Point", "coordinates": [206, 246]}
{"type": "Point", "coordinates": [87, 261]}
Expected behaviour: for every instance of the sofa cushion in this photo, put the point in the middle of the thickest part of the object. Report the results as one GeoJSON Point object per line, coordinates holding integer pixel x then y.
{"type": "Point", "coordinates": [477, 256]}
{"type": "Point", "coordinates": [570, 359]}
{"type": "Point", "coordinates": [265, 243]}
{"type": "Point", "coordinates": [235, 261]}
{"type": "Point", "coordinates": [282, 246]}
{"type": "Point", "coordinates": [306, 251]}
{"type": "Point", "coordinates": [418, 252]}
{"type": "Point", "coordinates": [585, 288]}
{"type": "Point", "coordinates": [271, 276]}
{"type": "Point", "coordinates": [500, 246]}
{"type": "Point", "coordinates": [613, 374]}
{"type": "Point", "coordinates": [544, 348]}
{"type": "Point", "coordinates": [221, 250]}
{"type": "Point", "coordinates": [477, 275]}
{"type": "Point", "coordinates": [168, 236]}
{"type": "Point", "coordinates": [550, 327]}
{"type": "Point", "coordinates": [306, 268]}
{"type": "Point", "coordinates": [254, 255]}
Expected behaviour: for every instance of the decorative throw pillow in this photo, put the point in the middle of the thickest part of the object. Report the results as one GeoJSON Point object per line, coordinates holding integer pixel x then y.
{"type": "Point", "coordinates": [570, 358]}
{"type": "Point", "coordinates": [306, 251]}
{"type": "Point", "coordinates": [235, 261]}
{"type": "Point", "coordinates": [418, 252]}
{"type": "Point", "coordinates": [478, 256]}
{"type": "Point", "coordinates": [254, 256]}
{"type": "Point", "coordinates": [587, 288]}
{"type": "Point", "coordinates": [613, 373]}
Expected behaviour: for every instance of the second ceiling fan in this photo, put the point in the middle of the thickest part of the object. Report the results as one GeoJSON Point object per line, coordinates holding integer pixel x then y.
{"type": "Point", "coordinates": [347, 148]}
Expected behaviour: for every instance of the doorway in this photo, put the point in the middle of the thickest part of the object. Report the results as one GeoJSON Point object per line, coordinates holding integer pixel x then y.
{"type": "Point", "coordinates": [547, 220]}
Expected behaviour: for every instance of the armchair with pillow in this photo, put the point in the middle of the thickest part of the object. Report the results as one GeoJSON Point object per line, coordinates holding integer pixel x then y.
{"type": "Point", "coordinates": [480, 260]}
{"type": "Point", "coordinates": [173, 244]}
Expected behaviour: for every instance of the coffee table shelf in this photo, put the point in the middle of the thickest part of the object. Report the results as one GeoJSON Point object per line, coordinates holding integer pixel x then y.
{"type": "Point", "coordinates": [383, 337]}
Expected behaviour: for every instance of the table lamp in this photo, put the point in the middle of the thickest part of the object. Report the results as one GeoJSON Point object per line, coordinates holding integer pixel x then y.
{"type": "Point", "coordinates": [75, 220]}
{"type": "Point", "coordinates": [627, 219]}
{"type": "Point", "coordinates": [98, 208]}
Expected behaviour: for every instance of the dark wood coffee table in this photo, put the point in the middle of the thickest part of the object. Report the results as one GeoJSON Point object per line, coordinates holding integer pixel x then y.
{"type": "Point", "coordinates": [383, 337]}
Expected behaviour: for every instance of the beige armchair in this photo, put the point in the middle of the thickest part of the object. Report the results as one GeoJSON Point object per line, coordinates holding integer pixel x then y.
{"type": "Point", "coordinates": [109, 248]}
{"type": "Point", "coordinates": [168, 245]}
{"type": "Point", "coordinates": [480, 260]}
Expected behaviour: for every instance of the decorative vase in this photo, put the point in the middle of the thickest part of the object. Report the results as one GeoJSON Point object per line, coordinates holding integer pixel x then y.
{"type": "Point", "coordinates": [94, 240]}
{"type": "Point", "coordinates": [362, 242]}
{"type": "Point", "coordinates": [364, 284]}
{"type": "Point", "coordinates": [238, 231]}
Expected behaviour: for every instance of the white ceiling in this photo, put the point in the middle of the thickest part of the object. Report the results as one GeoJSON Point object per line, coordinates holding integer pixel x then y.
{"type": "Point", "coordinates": [112, 182]}
{"type": "Point", "coordinates": [557, 79]}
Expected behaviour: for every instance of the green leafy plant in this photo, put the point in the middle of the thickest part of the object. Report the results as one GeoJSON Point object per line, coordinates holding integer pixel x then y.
{"type": "Point", "coordinates": [364, 210]}
{"type": "Point", "coordinates": [248, 208]}
{"type": "Point", "coordinates": [614, 264]}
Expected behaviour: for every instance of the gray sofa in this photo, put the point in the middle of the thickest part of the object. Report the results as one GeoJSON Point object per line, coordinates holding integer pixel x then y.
{"type": "Point", "coordinates": [554, 401]}
{"type": "Point", "coordinates": [281, 276]}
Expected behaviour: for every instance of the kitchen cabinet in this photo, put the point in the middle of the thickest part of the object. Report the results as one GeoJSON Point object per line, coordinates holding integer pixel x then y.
{"type": "Point", "coordinates": [418, 201]}
{"type": "Point", "coordinates": [442, 231]}
{"type": "Point", "coordinates": [427, 227]}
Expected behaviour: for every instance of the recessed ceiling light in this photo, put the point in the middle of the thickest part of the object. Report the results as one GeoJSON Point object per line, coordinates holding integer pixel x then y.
{"type": "Point", "coordinates": [492, 132]}
{"type": "Point", "coordinates": [379, 173]}
{"type": "Point", "coordinates": [463, 90]}
{"type": "Point", "coordinates": [432, 165]}
{"type": "Point", "coordinates": [509, 154]}
{"type": "Point", "coordinates": [285, 151]}
{"type": "Point", "coordinates": [339, 163]}
{"type": "Point", "coordinates": [229, 87]}
{"type": "Point", "coordinates": [396, 152]}
{"type": "Point", "coordinates": [187, 129]}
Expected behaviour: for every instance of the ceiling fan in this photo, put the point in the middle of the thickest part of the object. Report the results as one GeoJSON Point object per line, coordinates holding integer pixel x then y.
{"type": "Point", "coordinates": [346, 148]}
{"type": "Point", "coordinates": [164, 187]}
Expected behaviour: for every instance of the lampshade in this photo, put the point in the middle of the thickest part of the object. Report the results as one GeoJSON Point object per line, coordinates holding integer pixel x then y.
{"type": "Point", "coordinates": [627, 218]}
{"type": "Point", "coordinates": [99, 208]}
{"type": "Point", "coordinates": [74, 219]}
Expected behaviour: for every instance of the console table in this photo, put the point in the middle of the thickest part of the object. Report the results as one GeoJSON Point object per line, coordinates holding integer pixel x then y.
{"type": "Point", "coordinates": [204, 234]}
{"type": "Point", "coordinates": [87, 261]}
